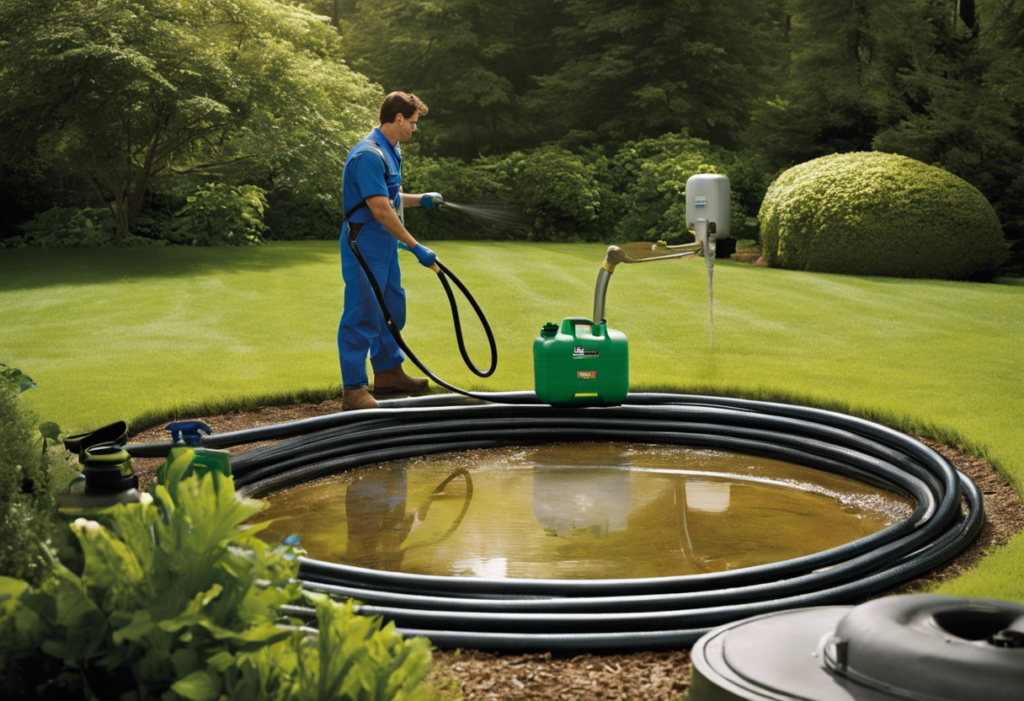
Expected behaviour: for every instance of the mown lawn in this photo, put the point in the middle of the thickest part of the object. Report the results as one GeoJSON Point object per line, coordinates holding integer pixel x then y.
{"type": "Point", "coordinates": [111, 334]}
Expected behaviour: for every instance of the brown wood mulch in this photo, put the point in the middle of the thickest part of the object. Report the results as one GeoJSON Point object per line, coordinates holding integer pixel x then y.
{"type": "Point", "coordinates": [651, 676]}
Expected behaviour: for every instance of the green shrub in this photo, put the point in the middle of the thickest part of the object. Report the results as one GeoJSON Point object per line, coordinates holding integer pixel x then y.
{"type": "Point", "coordinates": [178, 599]}
{"type": "Point", "coordinates": [561, 194]}
{"type": "Point", "coordinates": [651, 175]}
{"type": "Point", "coordinates": [217, 214]}
{"type": "Point", "coordinates": [74, 227]}
{"type": "Point", "coordinates": [879, 214]}
{"type": "Point", "coordinates": [482, 182]}
{"type": "Point", "coordinates": [31, 471]}
{"type": "Point", "coordinates": [291, 217]}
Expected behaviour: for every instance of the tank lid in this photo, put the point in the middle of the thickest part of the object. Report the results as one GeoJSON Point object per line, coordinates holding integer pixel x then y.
{"type": "Point", "coordinates": [917, 647]}
{"type": "Point", "coordinates": [932, 647]}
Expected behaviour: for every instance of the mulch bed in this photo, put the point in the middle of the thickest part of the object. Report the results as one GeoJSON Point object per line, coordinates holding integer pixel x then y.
{"type": "Point", "coordinates": [651, 676]}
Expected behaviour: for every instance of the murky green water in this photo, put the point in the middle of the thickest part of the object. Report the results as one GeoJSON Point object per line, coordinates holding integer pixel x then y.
{"type": "Point", "coordinates": [578, 511]}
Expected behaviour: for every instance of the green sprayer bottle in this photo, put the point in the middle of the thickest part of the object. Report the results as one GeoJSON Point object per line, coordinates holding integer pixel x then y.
{"type": "Point", "coordinates": [581, 363]}
{"type": "Point", "coordinates": [187, 440]}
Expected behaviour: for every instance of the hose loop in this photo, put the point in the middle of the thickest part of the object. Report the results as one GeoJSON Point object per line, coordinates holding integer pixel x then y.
{"type": "Point", "coordinates": [619, 614]}
{"type": "Point", "coordinates": [444, 273]}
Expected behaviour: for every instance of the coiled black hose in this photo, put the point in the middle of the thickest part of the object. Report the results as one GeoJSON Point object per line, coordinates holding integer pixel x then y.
{"type": "Point", "coordinates": [620, 614]}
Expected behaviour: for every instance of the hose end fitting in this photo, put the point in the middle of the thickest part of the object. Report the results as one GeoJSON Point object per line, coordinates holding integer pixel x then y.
{"type": "Point", "coordinates": [613, 257]}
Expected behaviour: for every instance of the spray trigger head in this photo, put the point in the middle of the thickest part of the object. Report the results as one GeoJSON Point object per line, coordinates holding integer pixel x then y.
{"type": "Point", "coordinates": [189, 432]}
{"type": "Point", "coordinates": [431, 199]}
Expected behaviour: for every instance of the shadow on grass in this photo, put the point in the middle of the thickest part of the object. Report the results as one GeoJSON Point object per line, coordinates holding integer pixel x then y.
{"type": "Point", "coordinates": [22, 269]}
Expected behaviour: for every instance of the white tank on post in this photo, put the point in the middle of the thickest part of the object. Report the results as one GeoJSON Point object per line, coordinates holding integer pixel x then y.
{"type": "Point", "coordinates": [708, 197]}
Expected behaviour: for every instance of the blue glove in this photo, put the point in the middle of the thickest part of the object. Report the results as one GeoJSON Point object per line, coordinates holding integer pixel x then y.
{"type": "Point", "coordinates": [430, 199]}
{"type": "Point", "coordinates": [403, 247]}
{"type": "Point", "coordinates": [424, 255]}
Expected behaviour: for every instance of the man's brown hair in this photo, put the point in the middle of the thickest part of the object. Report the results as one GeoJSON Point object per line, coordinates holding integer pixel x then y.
{"type": "Point", "coordinates": [400, 103]}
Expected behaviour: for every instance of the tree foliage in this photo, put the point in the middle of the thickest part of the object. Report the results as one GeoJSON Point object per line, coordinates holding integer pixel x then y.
{"type": "Point", "coordinates": [631, 69]}
{"type": "Point", "coordinates": [937, 80]}
{"type": "Point", "coordinates": [257, 92]}
{"type": "Point", "coordinates": [471, 61]}
{"type": "Point", "coordinates": [119, 92]}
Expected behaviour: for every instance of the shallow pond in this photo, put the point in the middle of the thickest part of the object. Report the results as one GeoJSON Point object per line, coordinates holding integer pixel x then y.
{"type": "Point", "coordinates": [578, 511]}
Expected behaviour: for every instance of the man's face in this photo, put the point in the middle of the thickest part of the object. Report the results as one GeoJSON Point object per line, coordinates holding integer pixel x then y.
{"type": "Point", "coordinates": [406, 126]}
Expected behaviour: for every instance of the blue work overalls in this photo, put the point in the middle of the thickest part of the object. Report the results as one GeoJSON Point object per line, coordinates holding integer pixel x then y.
{"type": "Point", "coordinates": [362, 329]}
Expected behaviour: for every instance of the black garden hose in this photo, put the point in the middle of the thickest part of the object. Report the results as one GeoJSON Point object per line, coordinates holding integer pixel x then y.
{"type": "Point", "coordinates": [444, 274]}
{"type": "Point", "coordinates": [620, 614]}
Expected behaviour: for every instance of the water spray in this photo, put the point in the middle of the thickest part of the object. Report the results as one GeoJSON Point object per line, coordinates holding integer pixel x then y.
{"type": "Point", "coordinates": [495, 215]}
{"type": "Point", "coordinates": [498, 216]}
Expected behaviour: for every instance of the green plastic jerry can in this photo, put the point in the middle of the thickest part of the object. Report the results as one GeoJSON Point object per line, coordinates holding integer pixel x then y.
{"type": "Point", "coordinates": [580, 363]}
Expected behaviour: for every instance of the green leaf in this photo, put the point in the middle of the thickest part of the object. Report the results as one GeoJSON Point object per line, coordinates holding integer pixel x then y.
{"type": "Point", "coordinates": [186, 661]}
{"type": "Point", "coordinates": [140, 625]}
{"type": "Point", "coordinates": [198, 686]}
{"type": "Point", "coordinates": [10, 590]}
{"type": "Point", "coordinates": [221, 661]}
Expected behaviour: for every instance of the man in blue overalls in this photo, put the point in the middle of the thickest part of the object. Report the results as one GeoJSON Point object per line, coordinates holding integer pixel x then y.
{"type": "Point", "coordinates": [372, 196]}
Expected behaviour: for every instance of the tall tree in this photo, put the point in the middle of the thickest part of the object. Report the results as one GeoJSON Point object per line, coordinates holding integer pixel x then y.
{"type": "Point", "coordinates": [836, 86]}
{"type": "Point", "coordinates": [118, 92]}
{"type": "Point", "coordinates": [470, 60]}
{"type": "Point", "coordinates": [633, 69]}
{"type": "Point", "coordinates": [965, 99]}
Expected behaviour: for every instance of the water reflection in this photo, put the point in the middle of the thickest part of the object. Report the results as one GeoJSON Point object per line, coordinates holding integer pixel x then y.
{"type": "Point", "coordinates": [377, 524]}
{"type": "Point", "coordinates": [582, 511]}
{"type": "Point", "coordinates": [569, 497]}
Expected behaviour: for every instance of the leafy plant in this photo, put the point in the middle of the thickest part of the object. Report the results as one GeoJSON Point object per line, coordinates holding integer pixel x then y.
{"type": "Point", "coordinates": [482, 182]}
{"type": "Point", "coordinates": [219, 214]}
{"type": "Point", "coordinates": [15, 378]}
{"type": "Point", "coordinates": [291, 217]}
{"type": "Point", "coordinates": [560, 192]}
{"type": "Point", "coordinates": [179, 599]}
{"type": "Point", "coordinates": [29, 478]}
{"type": "Point", "coordinates": [73, 227]}
{"type": "Point", "coordinates": [652, 175]}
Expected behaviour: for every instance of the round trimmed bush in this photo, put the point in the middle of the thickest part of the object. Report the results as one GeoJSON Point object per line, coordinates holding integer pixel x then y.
{"type": "Point", "coordinates": [879, 214]}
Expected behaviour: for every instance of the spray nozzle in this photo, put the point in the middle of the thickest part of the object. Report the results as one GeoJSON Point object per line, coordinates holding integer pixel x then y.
{"type": "Point", "coordinates": [429, 200]}
{"type": "Point", "coordinates": [189, 432]}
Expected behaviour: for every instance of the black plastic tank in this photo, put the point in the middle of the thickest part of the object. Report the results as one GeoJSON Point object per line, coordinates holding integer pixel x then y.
{"type": "Point", "coordinates": [914, 647]}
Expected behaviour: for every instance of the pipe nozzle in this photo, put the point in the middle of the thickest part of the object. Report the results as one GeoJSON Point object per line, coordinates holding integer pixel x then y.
{"type": "Point", "coordinates": [613, 256]}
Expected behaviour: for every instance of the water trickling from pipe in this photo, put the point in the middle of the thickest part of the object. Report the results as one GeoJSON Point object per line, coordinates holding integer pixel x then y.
{"type": "Point", "coordinates": [711, 306]}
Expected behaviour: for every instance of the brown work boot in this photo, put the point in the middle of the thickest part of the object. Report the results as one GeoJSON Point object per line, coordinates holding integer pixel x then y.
{"type": "Point", "coordinates": [357, 398]}
{"type": "Point", "coordinates": [395, 380]}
